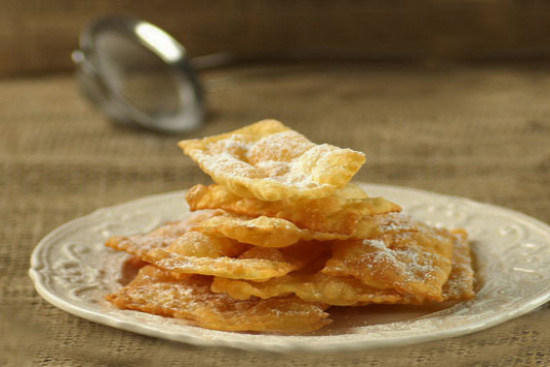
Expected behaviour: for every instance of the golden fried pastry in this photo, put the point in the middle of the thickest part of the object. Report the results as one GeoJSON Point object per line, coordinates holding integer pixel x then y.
{"type": "Point", "coordinates": [416, 262]}
{"type": "Point", "coordinates": [156, 292]}
{"type": "Point", "coordinates": [191, 243]}
{"type": "Point", "coordinates": [338, 213]}
{"type": "Point", "coordinates": [199, 253]}
{"type": "Point", "coordinates": [160, 237]}
{"type": "Point", "coordinates": [282, 235]}
{"type": "Point", "coordinates": [317, 287]}
{"type": "Point", "coordinates": [314, 286]}
{"type": "Point", "coordinates": [262, 231]}
{"type": "Point", "coordinates": [460, 285]}
{"type": "Point", "coordinates": [257, 263]}
{"type": "Point", "coordinates": [269, 161]}
{"type": "Point", "coordinates": [372, 226]}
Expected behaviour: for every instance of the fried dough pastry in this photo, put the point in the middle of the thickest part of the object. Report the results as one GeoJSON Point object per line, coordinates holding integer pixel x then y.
{"type": "Point", "coordinates": [195, 252]}
{"type": "Point", "coordinates": [314, 286]}
{"type": "Point", "coordinates": [460, 285]}
{"type": "Point", "coordinates": [416, 262]}
{"type": "Point", "coordinates": [262, 231]}
{"type": "Point", "coordinates": [282, 236]}
{"type": "Point", "coordinates": [373, 226]}
{"type": "Point", "coordinates": [269, 161]}
{"type": "Point", "coordinates": [160, 237]}
{"type": "Point", "coordinates": [156, 292]}
{"type": "Point", "coordinates": [318, 287]}
{"type": "Point", "coordinates": [338, 213]}
{"type": "Point", "coordinates": [190, 243]}
{"type": "Point", "coordinates": [257, 263]}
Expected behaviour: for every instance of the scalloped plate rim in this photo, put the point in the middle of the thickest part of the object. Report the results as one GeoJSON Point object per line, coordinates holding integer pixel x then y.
{"type": "Point", "coordinates": [292, 346]}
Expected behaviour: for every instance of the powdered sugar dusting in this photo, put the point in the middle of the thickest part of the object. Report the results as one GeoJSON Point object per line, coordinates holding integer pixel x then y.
{"type": "Point", "coordinates": [154, 291]}
{"type": "Point", "coordinates": [272, 162]}
{"type": "Point", "coordinates": [161, 237]}
{"type": "Point", "coordinates": [412, 258]}
{"type": "Point", "coordinates": [397, 222]}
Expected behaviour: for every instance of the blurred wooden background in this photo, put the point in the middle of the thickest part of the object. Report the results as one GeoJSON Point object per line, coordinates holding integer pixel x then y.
{"type": "Point", "coordinates": [37, 36]}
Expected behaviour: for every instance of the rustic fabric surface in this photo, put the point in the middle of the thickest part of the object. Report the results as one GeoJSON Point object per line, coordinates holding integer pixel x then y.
{"type": "Point", "coordinates": [477, 131]}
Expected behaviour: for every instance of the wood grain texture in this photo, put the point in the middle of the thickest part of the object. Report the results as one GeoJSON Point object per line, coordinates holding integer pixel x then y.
{"type": "Point", "coordinates": [38, 35]}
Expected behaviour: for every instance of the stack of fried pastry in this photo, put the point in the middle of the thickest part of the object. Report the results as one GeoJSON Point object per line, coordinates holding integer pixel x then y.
{"type": "Point", "coordinates": [282, 236]}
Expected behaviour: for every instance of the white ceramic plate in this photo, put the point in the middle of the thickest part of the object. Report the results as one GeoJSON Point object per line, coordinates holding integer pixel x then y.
{"type": "Point", "coordinates": [73, 270]}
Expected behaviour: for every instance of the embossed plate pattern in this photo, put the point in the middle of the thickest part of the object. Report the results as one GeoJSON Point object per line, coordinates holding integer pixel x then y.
{"type": "Point", "coordinates": [73, 270]}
